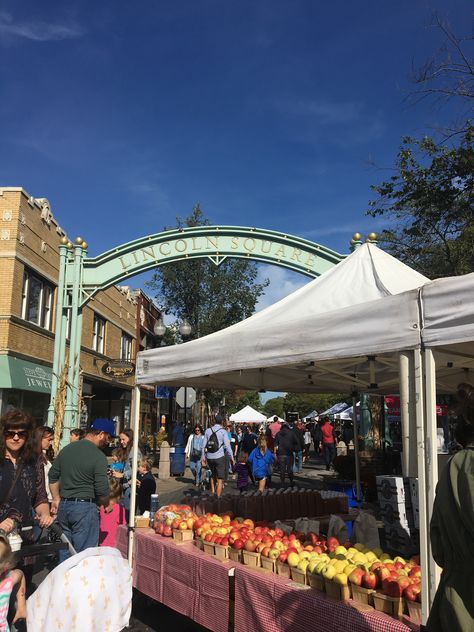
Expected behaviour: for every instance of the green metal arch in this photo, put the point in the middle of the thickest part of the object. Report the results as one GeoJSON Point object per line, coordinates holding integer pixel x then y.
{"type": "Point", "coordinates": [214, 242]}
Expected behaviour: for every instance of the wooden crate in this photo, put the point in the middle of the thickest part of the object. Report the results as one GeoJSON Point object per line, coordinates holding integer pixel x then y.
{"type": "Point", "coordinates": [251, 558]}
{"type": "Point", "coordinates": [268, 564]}
{"type": "Point", "coordinates": [283, 569]}
{"type": "Point", "coordinates": [235, 555]}
{"type": "Point", "coordinates": [414, 610]}
{"type": "Point", "coordinates": [390, 605]}
{"type": "Point", "coordinates": [337, 591]}
{"type": "Point", "coordinates": [221, 552]}
{"type": "Point", "coordinates": [181, 536]}
{"type": "Point", "coordinates": [362, 595]}
{"type": "Point", "coordinates": [208, 547]}
{"type": "Point", "coordinates": [298, 576]}
{"type": "Point", "coordinates": [316, 581]}
{"type": "Point", "coordinates": [199, 543]}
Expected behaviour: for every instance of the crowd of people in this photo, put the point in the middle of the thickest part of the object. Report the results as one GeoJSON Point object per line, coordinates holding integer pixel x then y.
{"type": "Point", "coordinates": [252, 455]}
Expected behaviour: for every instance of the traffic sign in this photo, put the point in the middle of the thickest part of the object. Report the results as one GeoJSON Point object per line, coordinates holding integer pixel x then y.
{"type": "Point", "coordinates": [188, 393]}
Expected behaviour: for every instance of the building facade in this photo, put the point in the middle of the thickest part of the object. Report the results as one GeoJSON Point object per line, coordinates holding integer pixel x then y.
{"type": "Point", "coordinates": [116, 323]}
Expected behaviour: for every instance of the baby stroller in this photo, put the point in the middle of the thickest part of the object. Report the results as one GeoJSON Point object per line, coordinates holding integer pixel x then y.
{"type": "Point", "coordinates": [76, 594]}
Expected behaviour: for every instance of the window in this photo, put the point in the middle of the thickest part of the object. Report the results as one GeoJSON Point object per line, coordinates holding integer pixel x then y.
{"type": "Point", "coordinates": [37, 300]}
{"type": "Point", "coordinates": [126, 349]}
{"type": "Point", "coordinates": [98, 336]}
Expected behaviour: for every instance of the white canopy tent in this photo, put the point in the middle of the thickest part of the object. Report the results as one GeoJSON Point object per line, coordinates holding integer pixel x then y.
{"type": "Point", "coordinates": [316, 339]}
{"type": "Point", "coordinates": [272, 417]}
{"type": "Point", "coordinates": [248, 415]}
{"type": "Point", "coordinates": [366, 343]}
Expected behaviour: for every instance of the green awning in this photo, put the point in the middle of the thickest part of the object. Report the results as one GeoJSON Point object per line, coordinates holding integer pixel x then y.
{"type": "Point", "coordinates": [24, 375]}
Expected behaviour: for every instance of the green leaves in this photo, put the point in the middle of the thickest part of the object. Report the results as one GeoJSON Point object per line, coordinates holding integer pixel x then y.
{"type": "Point", "coordinates": [429, 206]}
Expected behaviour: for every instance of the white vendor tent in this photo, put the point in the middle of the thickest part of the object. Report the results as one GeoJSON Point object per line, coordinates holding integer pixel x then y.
{"type": "Point", "coordinates": [338, 318]}
{"type": "Point", "coordinates": [248, 415]}
{"type": "Point", "coordinates": [312, 415]}
{"type": "Point", "coordinates": [353, 329]}
{"type": "Point", "coordinates": [272, 417]}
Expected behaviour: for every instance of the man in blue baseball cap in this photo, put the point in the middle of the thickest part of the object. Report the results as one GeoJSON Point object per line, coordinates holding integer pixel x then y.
{"type": "Point", "coordinates": [78, 483]}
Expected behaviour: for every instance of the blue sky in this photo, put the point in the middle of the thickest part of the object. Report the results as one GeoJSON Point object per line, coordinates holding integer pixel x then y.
{"type": "Point", "coordinates": [270, 113]}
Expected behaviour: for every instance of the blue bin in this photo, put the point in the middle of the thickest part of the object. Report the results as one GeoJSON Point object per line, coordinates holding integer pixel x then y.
{"type": "Point", "coordinates": [177, 461]}
{"type": "Point", "coordinates": [348, 487]}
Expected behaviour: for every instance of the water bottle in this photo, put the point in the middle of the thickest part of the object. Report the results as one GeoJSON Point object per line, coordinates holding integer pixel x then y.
{"type": "Point", "coordinates": [154, 506]}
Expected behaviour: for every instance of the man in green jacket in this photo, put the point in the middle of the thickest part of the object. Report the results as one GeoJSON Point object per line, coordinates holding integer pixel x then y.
{"type": "Point", "coordinates": [452, 530]}
{"type": "Point", "coordinates": [78, 483]}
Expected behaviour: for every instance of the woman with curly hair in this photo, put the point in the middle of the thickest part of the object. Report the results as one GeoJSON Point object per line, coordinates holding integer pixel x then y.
{"type": "Point", "coordinates": [22, 483]}
{"type": "Point", "coordinates": [452, 529]}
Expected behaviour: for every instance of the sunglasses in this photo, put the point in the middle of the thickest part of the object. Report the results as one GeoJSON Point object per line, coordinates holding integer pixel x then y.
{"type": "Point", "coordinates": [11, 434]}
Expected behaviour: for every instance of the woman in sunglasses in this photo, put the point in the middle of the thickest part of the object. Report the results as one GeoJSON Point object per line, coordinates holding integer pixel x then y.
{"type": "Point", "coordinates": [22, 483]}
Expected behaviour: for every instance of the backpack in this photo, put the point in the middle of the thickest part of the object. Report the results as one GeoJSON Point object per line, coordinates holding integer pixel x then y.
{"type": "Point", "coordinates": [212, 444]}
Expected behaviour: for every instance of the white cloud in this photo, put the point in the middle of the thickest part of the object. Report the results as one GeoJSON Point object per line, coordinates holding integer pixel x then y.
{"type": "Point", "coordinates": [37, 31]}
{"type": "Point", "coordinates": [282, 283]}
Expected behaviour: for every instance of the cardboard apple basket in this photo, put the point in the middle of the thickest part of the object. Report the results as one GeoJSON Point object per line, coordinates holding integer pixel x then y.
{"type": "Point", "coordinates": [183, 535]}
{"type": "Point", "coordinates": [268, 564]}
{"type": "Point", "coordinates": [208, 547]}
{"type": "Point", "coordinates": [316, 581]}
{"type": "Point", "coordinates": [414, 610]}
{"type": "Point", "coordinates": [235, 555]}
{"type": "Point", "coordinates": [298, 576]}
{"type": "Point", "coordinates": [283, 569]}
{"type": "Point", "coordinates": [393, 606]}
{"type": "Point", "coordinates": [221, 552]}
{"type": "Point", "coordinates": [341, 592]}
{"type": "Point", "coordinates": [362, 595]}
{"type": "Point", "coordinates": [251, 558]}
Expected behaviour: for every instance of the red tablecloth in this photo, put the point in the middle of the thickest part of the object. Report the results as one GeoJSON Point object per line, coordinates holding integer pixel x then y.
{"type": "Point", "coordinates": [181, 577]}
{"type": "Point", "coordinates": [268, 602]}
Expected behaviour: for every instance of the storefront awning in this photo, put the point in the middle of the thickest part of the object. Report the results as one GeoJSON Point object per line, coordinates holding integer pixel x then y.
{"type": "Point", "coordinates": [24, 375]}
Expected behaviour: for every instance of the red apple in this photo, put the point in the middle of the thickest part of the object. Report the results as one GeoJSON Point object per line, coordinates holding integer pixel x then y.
{"type": "Point", "coordinates": [412, 591]}
{"type": "Point", "coordinates": [250, 545]}
{"type": "Point", "coordinates": [369, 580]}
{"type": "Point", "coordinates": [332, 544]}
{"type": "Point", "coordinates": [415, 571]}
{"type": "Point", "coordinates": [356, 576]}
{"type": "Point", "coordinates": [238, 544]}
{"type": "Point", "coordinates": [283, 556]}
{"type": "Point", "coordinates": [265, 551]}
{"type": "Point", "coordinates": [167, 531]}
{"type": "Point", "coordinates": [279, 533]}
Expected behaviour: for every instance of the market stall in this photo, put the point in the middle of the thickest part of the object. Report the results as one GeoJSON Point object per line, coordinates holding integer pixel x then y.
{"type": "Point", "coordinates": [372, 309]}
{"type": "Point", "coordinates": [180, 576]}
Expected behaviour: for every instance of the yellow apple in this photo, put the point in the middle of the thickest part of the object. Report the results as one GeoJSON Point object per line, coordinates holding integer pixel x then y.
{"type": "Point", "coordinates": [340, 578]}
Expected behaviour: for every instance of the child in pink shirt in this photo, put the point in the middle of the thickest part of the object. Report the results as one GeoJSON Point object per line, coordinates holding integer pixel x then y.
{"type": "Point", "coordinates": [113, 516]}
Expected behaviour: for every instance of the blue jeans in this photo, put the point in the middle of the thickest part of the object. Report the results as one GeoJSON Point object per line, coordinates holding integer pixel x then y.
{"type": "Point", "coordinates": [196, 467]}
{"type": "Point", "coordinates": [298, 461]}
{"type": "Point", "coordinates": [80, 523]}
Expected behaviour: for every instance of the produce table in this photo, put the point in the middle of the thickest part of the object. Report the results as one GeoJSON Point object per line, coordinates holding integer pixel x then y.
{"type": "Point", "coordinates": [280, 606]}
{"type": "Point", "coordinates": [181, 577]}
{"type": "Point", "coordinates": [197, 585]}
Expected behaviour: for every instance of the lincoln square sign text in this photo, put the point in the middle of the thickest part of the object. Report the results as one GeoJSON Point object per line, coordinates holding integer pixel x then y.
{"type": "Point", "coordinates": [81, 277]}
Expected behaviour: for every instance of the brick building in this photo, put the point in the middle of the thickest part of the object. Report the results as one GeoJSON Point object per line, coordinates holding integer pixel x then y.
{"type": "Point", "coordinates": [112, 322]}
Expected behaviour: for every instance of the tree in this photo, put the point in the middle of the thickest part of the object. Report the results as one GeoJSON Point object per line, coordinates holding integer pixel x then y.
{"type": "Point", "coordinates": [303, 403]}
{"type": "Point", "coordinates": [210, 297]}
{"type": "Point", "coordinates": [430, 202]}
{"type": "Point", "coordinates": [448, 75]}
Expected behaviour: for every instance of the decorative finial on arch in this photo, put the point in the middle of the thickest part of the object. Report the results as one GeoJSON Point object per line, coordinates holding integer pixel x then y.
{"type": "Point", "coordinates": [355, 242]}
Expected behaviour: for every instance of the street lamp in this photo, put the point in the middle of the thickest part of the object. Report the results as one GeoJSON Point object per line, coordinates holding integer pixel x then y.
{"type": "Point", "coordinates": [185, 329]}
{"type": "Point", "coordinates": [159, 329]}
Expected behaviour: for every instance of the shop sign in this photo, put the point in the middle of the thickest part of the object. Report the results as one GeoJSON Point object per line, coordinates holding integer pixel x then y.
{"type": "Point", "coordinates": [24, 375]}
{"type": "Point", "coordinates": [119, 368]}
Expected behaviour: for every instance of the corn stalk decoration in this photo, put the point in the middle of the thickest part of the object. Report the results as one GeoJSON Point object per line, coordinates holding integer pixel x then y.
{"type": "Point", "coordinates": [59, 406]}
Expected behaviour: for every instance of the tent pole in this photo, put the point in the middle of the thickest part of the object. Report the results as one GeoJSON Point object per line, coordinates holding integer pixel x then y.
{"type": "Point", "coordinates": [133, 483]}
{"type": "Point", "coordinates": [403, 363]}
{"type": "Point", "coordinates": [356, 446]}
{"type": "Point", "coordinates": [420, 440]}
{"type": "Point", "coordinates": [431, 458]}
